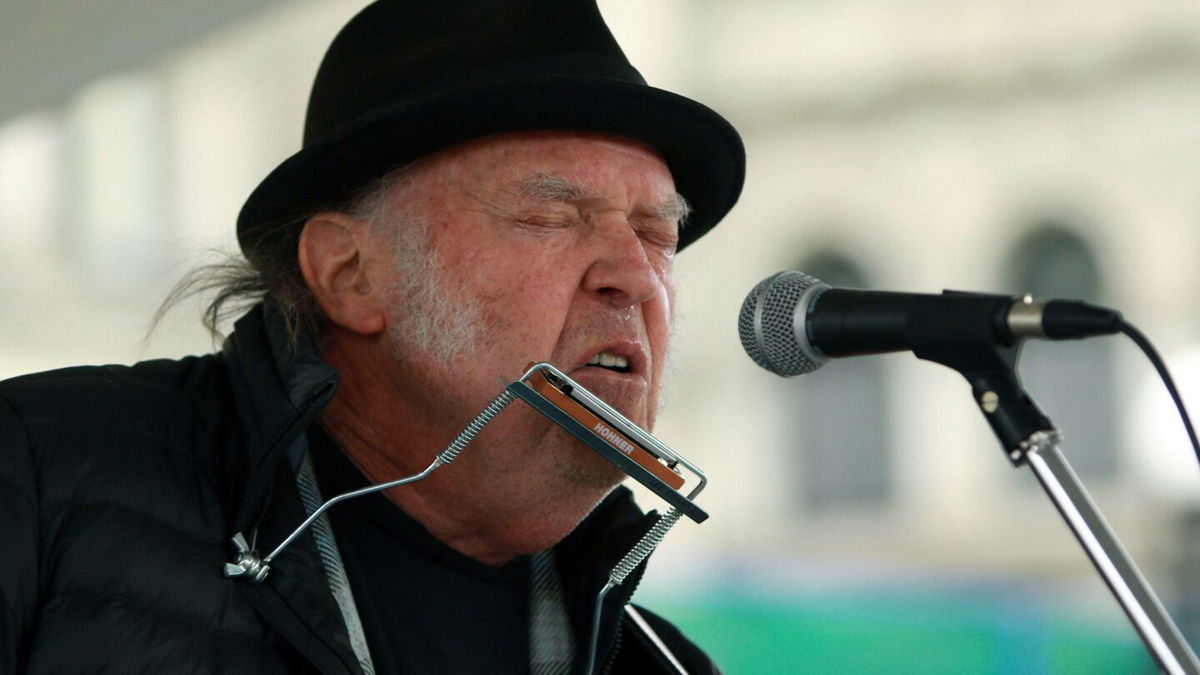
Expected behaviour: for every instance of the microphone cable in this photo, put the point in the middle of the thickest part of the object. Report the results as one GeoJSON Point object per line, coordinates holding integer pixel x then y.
{"type": "Point", "coordinates": [1131, 331]}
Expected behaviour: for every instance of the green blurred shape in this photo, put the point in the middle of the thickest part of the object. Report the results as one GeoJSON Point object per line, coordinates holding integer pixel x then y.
{"type": "Point", "coordinates": [898, 634]}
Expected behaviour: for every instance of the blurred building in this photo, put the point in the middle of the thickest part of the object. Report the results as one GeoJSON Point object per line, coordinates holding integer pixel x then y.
{"type": "Point", "coordinates": [992, 145]}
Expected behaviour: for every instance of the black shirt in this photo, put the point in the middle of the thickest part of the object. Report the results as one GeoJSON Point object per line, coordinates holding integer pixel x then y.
{"type": "Point", "coordinates": [425, 608]}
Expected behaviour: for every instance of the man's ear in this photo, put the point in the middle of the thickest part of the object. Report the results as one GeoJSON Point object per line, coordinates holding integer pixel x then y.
{"type": "Point", "coordinates": [335, 262]}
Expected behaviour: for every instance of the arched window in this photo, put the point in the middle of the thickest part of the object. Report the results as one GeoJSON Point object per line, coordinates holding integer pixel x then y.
{"type": "Point", "coordinates": [843, 459]}
{"type": "Point", "coordinates": [1071, 381]}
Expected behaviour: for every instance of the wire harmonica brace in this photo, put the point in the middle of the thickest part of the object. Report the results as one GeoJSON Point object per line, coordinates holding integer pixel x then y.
{"type": "Point", "coordinates": [250, 566]}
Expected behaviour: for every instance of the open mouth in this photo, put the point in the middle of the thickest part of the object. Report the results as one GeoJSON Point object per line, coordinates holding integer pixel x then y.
{"type": "Point", "coordinates": [609, 361]}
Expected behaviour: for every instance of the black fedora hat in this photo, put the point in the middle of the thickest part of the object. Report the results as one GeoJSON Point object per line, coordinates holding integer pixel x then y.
{"type": "Point", "coordinates": [405, 78]}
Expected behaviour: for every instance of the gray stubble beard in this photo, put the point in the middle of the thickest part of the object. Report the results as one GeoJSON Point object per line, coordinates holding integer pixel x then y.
{"type": "Point", "coordinates": [431, 317]}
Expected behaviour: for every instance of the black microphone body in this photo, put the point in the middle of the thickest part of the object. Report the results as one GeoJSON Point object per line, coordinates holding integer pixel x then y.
{"type": "Point", "coordinates": [848, 322]}
{"type": "Point", "coordinates": [791, 323]}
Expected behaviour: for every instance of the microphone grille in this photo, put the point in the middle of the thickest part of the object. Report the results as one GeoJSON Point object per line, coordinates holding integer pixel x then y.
{"type": "Point", "coordinates": [768, 327]}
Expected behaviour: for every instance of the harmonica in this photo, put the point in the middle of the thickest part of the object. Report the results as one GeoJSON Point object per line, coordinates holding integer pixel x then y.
{"type": "Point", "coordinates": [609, 433]}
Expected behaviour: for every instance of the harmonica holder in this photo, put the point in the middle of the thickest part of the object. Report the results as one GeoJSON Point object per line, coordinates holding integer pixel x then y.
{"type": "Point", "coordinates": [249, 565]}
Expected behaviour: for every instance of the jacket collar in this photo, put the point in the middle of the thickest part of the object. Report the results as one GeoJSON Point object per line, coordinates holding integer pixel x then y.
{"type": "Point", "coordinates": [279, 392]}
{"type": "Point", "coordinates": [585, 559]}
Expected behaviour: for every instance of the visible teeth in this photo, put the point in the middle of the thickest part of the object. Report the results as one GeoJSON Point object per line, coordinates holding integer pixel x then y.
{"type": "Point", "coordinates": [609, 360]}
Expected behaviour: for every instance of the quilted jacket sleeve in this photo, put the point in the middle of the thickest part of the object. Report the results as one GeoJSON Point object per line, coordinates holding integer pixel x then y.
{"type": "Point", "coordinates": [18, 539]}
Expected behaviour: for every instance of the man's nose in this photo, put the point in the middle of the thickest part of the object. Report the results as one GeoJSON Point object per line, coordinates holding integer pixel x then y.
{"type": "Point", "coordinates": [622, 272]}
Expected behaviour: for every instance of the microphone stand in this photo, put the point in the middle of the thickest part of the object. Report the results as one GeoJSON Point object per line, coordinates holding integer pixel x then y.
{"type": "Point", "coordinates": [1029, 438]}
{"type": "Point", "coordinates": [1135, 596]}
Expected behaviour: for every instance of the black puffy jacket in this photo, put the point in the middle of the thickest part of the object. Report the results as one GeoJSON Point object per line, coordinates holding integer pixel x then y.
{"type": "Point", "coordinates": [120, 488]}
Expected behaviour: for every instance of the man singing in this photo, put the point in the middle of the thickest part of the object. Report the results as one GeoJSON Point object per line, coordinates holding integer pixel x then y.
{"type": "Point", "coordinates": [482, 185]}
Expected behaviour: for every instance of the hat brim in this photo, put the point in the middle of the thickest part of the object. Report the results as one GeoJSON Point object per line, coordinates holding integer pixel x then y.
{"type": "Point", "coordinates": [702, 150]}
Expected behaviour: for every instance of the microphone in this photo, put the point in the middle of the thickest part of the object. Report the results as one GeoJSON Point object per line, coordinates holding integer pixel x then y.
{"type": "Point", "coordinates": [792, 323]}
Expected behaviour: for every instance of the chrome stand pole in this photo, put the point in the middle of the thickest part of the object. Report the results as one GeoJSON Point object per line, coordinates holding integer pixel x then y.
{"type": "Point", "coordinates": [988, 361]}
{"type": "Point", "coordinates": [1041, 452]}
